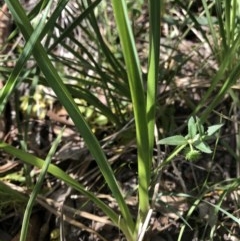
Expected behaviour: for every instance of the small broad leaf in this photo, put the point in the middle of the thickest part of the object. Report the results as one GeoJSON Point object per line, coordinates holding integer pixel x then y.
{"type": "Point", "coordinates": [203, 147]}
{"type": "Point", "coordinates": [192, 128]}
{"type": "Point", "coordinates": [173, 140]}
{"type": "Point", "coordinates": [213, 129]}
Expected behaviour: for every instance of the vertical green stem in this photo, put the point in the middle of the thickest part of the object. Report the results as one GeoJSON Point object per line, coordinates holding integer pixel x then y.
{"type": "Point", "coordinates": [153, 69]}
{"type": "Point", "coordinates": [138, 100]}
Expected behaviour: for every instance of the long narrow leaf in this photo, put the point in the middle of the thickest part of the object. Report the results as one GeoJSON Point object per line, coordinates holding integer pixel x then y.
{"type": "Point", "coordinates": [138, 100]}
{"type": "Point", "coordinates": [37, 187]}
{"type": "Point", "coordinates": [153, 70]}
{"type": "Point", "coordinates": [74, 24]}
{"type": "Point", "coordinates": [66, 99]}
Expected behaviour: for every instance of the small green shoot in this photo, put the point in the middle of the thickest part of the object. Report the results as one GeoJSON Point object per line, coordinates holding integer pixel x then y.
{"type": "Point", "coordinates": [194, 143]}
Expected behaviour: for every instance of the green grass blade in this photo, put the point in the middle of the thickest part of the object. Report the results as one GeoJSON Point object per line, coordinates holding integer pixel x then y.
{"type": "Point", "coordinates": [229, 81]}
{"type": "Point", "coordinates": [213, 31]}
{"type": "Point", "coordinates": [153, 69]}
{"type": "Point", "coordinates": [228, 214]}
{"type": "Point", "coordinates": [56, 83]}
{"type": "Point", "coordinates": [74, 24]}
{"type": "Point", "coordinates": [119, 70]}
{"type": "Point", "coordinates": [138, 100]}
{"type": "Point", "coordinates": [37, 187]}
{"type": "Point", "coordinates": [227, 8]}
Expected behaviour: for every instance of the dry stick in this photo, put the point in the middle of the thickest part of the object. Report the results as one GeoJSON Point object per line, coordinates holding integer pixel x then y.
{"type": "Point", "coordinates": [179, 175]}
{"type": "Point", "coordinates": [145, 225]}
{"type": "Point", "coordinates": [62, 234]}
{"type": "Point", "coordinates": [52, 206]}
{"type": "Point", "coordinates": [8, 166]}
{"type": "Point", "coordinates": [5, 21]}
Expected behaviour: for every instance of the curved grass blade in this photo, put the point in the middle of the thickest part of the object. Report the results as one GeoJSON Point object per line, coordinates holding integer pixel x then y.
{"type": "Point", "coordinates": [56, 83]}
{"type": "Point", "coordinates": [74, 24]}
{"type": "Point", "coordinates": [37, 187]}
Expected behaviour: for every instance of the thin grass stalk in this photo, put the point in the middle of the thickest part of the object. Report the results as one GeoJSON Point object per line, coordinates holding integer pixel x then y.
{"type": "Point", "coordinates": [116, 65]}
{"type": "Point", "coordinates": [228, 72]}
{"type": "Point", "coordinates": [138, 100]}
{"type": "Point", "coordinates": [55, 82]}
{"type": "Point", "coordinates": [216, 48]}
{"type": "Point", "coordinates": [37, 188]}
{"type": "Point", "coordinates": [106, 80]}
{"type": "Point", "coordinates": [226, 57]}
{"type": "Point", "coordinates": [198, 26]}
{"type": "Point", "coordinates": [233, 76]}
{"type": "Point", "coordinates": [73, 25]}
{"type": "Point", "coordinates": [25, 133]}
{"type": "Point", "coordinates": [227, 11]}
{"type": "Point", "coordinates": [120, 87]}
{"type": "Point", "coordinates": [153, 70]}
{"type": "Point", "coordinates": [233, 19]}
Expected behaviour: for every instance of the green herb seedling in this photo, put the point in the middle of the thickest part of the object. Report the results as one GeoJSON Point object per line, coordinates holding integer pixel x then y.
{"type": "Point", "coordinates": [194, 143]}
